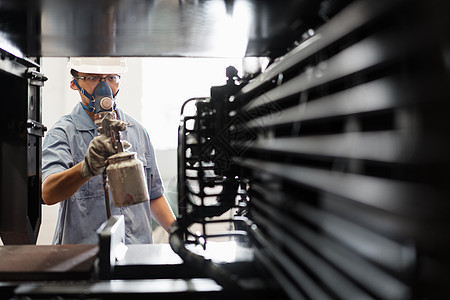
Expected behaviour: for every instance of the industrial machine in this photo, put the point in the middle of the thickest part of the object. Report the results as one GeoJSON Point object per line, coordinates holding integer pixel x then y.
{"type": "Point", "coordinates": [328, 168]}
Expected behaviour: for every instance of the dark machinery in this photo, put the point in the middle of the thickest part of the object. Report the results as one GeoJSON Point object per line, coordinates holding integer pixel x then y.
{"type": "Point", "coordinates": [20, 187]}
{"type": "Point", "coordinates": [327, 170]}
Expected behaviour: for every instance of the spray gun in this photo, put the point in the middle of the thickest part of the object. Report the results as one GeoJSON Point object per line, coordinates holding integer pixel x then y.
{"type": "Point", "coordinates": [111, 127]}
{"type": "Point", "coordinates": [124, 174]}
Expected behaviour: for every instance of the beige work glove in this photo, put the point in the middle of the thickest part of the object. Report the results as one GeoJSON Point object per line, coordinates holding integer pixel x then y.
{"type": "Point", "coordinates": [100, 148]}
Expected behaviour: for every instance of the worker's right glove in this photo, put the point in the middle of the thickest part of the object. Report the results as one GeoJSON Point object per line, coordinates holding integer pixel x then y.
{"type": "Point", "coordinates": [100, 148]}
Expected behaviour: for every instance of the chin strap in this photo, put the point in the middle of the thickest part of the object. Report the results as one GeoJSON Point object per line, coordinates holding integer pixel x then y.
{"type": "Point", "coordinates": [91, 98]}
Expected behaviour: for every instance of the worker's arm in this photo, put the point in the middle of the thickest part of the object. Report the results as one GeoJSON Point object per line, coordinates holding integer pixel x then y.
{"type": "Point", "coordinates": [162, 212]}
{"type": "Point", "coordinates": [60, 186]}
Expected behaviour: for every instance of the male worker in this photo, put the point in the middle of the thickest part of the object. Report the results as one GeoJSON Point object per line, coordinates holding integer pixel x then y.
{"type": "Point", "coordinates": [74, 155]}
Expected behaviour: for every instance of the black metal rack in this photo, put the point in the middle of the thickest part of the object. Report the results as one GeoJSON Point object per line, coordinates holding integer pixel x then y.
{"type": "Point", "coordinates": [20, 149]}
{"type": "Point", "coordinates": [335, 157]}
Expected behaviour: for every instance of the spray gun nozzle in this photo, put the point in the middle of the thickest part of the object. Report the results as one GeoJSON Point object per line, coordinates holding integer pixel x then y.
{"type": "Point", "coordinates": [111, 127]}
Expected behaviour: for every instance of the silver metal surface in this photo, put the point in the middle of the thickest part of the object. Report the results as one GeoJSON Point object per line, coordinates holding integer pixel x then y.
{"type": "Point", "coordinates": [154, 27]}
{"type": "Point", "coordinates": [163, 287]}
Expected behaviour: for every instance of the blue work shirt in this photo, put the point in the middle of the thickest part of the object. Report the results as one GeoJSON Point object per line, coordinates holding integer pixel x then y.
{"type": "Point", "coordinates": [79, 217]}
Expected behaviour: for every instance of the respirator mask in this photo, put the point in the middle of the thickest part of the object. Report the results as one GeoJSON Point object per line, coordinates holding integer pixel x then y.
{"type": "Point", "coordinates": [101, 101]}
{"type": "Point", "coordinates": [104, 101]}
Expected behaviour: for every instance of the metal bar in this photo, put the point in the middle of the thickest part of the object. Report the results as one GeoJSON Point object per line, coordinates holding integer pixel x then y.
{"type": "Point", "coordinates": [286, 265]}
{"type": "Point", "coordinates": [227, 234]}
{"type": "Point", "coordinates": [323, 272]}
{"type": "Point", "coordinates": [35, 128]}
{"type": "Point", "coordinates": [106, 191]}
{"type": "Point", "coordinates": [352, 18]}
{"type": "Point", "coordinates": [368, 53]}
{"type": "Point", "coordinates": [392, 226]}
{"type": "Point", "coordinates": [360, 270]}
{"type": "Point", "coordinates": [382, 94]}
{"type": "Point", "coordinates": [112, 245]}
{"type": "Point", "coordinates": [289, 288]}
{"type": "Point", "coordinates": [161, 288]}
{"type": "Point", "coordinates": [199, 167]}
{"type": "Point", "coordinates": [177, 244]}
{"type": "Point", "coordinates": [387, 253]}
{"type": "Point", "coordinates": [389, 195]}
{"type": "Point", "coordinates": [391, 146]}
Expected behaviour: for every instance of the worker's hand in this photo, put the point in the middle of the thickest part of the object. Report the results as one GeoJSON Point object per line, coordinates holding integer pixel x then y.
{"type": "Point", "coordinates": [100, 148]}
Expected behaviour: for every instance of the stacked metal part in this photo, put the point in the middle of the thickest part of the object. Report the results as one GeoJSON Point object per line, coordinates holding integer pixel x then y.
{"type": "Point", "coordinates": [211, 193]}
{"type": "Point", "coordinates": [339, 153]}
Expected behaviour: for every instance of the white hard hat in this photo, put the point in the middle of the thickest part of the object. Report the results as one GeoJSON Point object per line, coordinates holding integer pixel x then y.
{"type": "Point", "coordinates": [98, 65]}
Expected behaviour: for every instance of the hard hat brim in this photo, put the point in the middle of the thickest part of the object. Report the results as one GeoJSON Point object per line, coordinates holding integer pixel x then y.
{"type": "Point", "coordinates": [98, 65]}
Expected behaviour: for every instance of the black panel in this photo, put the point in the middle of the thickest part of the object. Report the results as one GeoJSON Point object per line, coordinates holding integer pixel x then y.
{"type": "Point", "coordinates": [20, 177]}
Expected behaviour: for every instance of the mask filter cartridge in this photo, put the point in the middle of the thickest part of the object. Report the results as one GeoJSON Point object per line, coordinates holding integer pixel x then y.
{"type": "Point", "coordinates": [104, 101]}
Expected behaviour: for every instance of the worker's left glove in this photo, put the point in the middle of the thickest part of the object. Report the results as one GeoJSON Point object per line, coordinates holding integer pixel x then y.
{"type": "Point", "coordinates": [100, 148]}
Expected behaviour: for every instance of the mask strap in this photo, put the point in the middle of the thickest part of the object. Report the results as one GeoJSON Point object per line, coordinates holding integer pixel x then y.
{"type": "Point", "coordinates": [114, 99]}
{"type": "Point", "coordinates": [91, 98]}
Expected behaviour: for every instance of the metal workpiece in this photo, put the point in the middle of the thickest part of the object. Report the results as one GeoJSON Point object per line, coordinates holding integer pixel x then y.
{"type": "Point", "coordinates": [224, 278]}
{"type": "Point", "coordinates": [111, 237]}
{"type": "Point", "coordinates": [204, 272]}
{"type": "Point", "coordinates": [47, 262]}
{"type": "Point", "coordinates": [212, 199]}
{"type": "Point", "coordinates": [166, 288]}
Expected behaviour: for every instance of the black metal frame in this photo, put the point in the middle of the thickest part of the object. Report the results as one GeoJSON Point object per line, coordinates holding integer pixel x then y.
{"type": "Point", "coordinates": [343, 157]}
{"type": "Point", "coordinates": [207, 181]}
{"type": "Point", "coordinates": [21, 137]}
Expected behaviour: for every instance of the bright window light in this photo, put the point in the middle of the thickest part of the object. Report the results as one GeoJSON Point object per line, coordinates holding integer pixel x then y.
{"type": "Point", "coordinates": [168, 82]}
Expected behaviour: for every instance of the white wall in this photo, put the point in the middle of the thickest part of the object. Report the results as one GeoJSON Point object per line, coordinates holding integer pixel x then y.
{"type": "Point", "coordinates": [57, 100]}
